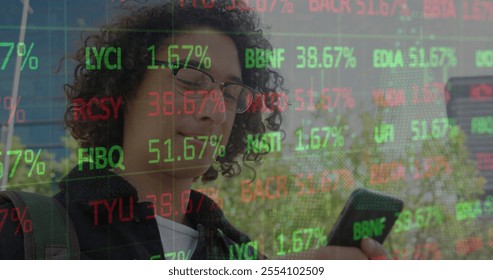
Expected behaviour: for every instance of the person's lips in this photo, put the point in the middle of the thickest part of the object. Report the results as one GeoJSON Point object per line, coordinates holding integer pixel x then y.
{"type": "Point", "coordinates": [196, 138]}
{"type": "Point", "coordinates": [195, 135]}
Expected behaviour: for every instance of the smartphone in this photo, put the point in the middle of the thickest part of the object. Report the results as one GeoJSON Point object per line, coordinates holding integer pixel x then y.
{"type": "Point", "coordinates": [366, 214]}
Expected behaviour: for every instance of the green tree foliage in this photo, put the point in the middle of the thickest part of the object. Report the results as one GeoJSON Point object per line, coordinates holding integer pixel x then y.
{"type": "Point", "coordinates": [438, 176]}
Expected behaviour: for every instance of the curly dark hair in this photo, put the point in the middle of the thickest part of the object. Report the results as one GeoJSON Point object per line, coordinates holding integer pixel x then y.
{"type": "Point", "coordinates": [146, 26]}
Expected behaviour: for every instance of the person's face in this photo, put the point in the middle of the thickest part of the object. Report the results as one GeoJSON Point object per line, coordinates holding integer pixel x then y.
{"type": "Point", "coordinates": [177, 133]}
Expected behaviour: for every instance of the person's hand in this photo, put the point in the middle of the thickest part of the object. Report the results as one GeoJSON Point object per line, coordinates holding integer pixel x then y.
{"type": "Point", "coordinates": [370, 250]}
{"type": "Point", "coordinates": [373, 250]}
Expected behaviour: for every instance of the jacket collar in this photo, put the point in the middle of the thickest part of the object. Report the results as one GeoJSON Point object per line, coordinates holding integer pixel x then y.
{"type": "Point", "coordinates": [85, 185]}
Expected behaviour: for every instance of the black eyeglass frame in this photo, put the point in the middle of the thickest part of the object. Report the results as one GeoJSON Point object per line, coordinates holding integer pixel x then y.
{"type": "Point", "coordinates": [175, 68]}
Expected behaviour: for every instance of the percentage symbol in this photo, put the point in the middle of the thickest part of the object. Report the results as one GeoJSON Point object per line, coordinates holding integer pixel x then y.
{"type": "Point", "coordinates": [220, 202]}
{"type": "Point", "coordinates": [216, 143]}
{"type": "Point", "coordinates": [348, 53]}
{"type": "Point", "coordinates": [451, 57]}
{"type": "Point", "coordinates": [214, 195]}
{"type": "Point", "coordinates": [329, 102]}
{"type": "Point", "coordinates": [272, 5]}
{"type": "Point", "coordinates": [438, 215]}
{"type": "Point", "coordinates": [20, 115]}
{"type": "Point", "coordinates": [405, 11]}
{"type": "Point", "coordinates": [338, 137]}
{"type": "Point", "coordinates": [287, 6]}
{"type": "Point", "coordinates": [33, 60]}
{"type": "Point", "coordinates": [348, 98]}
{"type": "Point", "coordinates": [322, 239]}
{"type": "Point", "coordinates": [26, 224]}
{"type": "Point", "coordinates": [204, 59]}
{"type": "Point", "coordinates": [213, 192]}
{"type": "Point", "coordinates": [218, 102]}
{"type": "Point", "coordinates": [454, 132]}
{"type": "Point", "coordinates": [189, 254]}
{"type": "Point", "coordinates": [30, 159]}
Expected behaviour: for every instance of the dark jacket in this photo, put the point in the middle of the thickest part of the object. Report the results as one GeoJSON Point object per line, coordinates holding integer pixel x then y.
{"type": "Point", "coordinates": [130, 230]}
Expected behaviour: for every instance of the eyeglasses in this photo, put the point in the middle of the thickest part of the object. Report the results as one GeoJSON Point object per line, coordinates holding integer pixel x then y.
{"type": "Point", "coordinates": [237, 97]}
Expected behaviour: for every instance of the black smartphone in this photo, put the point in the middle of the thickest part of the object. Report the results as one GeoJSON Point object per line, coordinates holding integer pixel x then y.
{"type": "Point", "coordinates": [366, 214]}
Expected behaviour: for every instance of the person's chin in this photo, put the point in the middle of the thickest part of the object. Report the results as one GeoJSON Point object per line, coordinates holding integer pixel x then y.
{"type": "Point", "coordinates": [188, 169]}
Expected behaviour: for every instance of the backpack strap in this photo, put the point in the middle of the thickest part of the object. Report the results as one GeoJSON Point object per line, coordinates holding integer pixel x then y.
{"type": "Point", "coordinates": [47, 228]}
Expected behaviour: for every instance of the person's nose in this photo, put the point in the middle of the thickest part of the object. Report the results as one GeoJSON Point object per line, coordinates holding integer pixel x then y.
{"type": "Point", "coordinates": [213, 107]}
